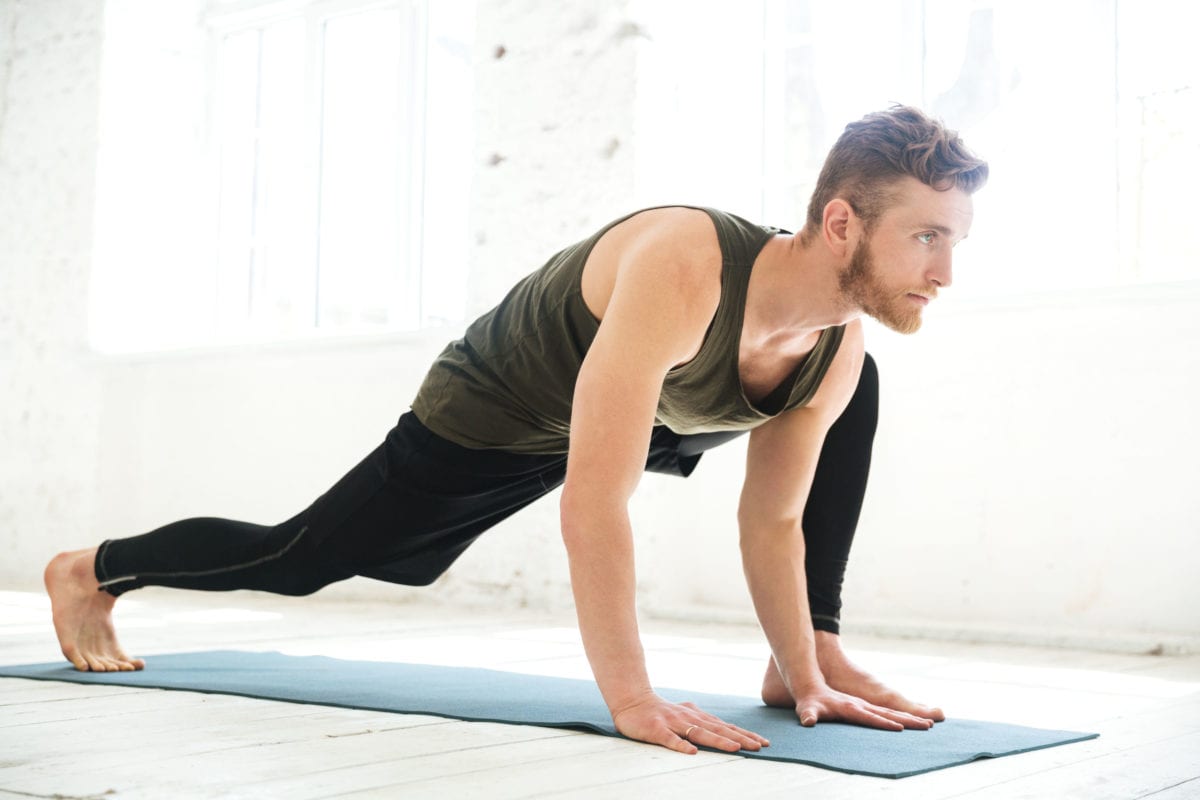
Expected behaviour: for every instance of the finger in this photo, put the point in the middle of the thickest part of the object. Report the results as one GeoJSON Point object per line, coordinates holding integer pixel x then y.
{"type": "Point", "coordinates": [708, 738]}
{"type": "Point", "coordinates": [897, 702]}
{"type": "Point", "coordinates": [909, 721]}
{"type": "Point", "coordinates": [749, 739]}
{"type": "Point", "coordinates": [935, 714]}
{"type": "Point", "coordinates": [737, 738]}
{"type": "Point", "coordinates": [872, 720]}
{"type": "Point", "coordinates": [734, 732]}
{"type": "Point", "coordinates": [677, 743]}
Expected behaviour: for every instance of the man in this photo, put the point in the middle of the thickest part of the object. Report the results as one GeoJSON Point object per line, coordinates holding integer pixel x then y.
{"type": "Point", "coordinates": [663, 334]}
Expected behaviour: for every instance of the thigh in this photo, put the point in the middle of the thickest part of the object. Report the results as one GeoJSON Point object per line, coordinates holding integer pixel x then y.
{"type": "Point", "coordinates": [678, 454]}
{"type": "Point", "coordinates": [436, 499]}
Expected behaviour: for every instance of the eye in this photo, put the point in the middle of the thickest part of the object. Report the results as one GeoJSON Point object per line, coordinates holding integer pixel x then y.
{"type": "Point", "coordinates": [927, 237]}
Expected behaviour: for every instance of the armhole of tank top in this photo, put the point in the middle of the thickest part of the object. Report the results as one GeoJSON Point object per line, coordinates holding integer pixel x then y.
{"type": "Point", "coordinates": [824, 351]}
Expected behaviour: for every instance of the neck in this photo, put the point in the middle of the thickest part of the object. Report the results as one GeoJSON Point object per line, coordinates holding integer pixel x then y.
{"type": "Point", "coordinates": [794, 291]}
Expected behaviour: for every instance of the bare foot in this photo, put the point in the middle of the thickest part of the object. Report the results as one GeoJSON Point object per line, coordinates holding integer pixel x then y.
{"type": "Point", "coordinates": [83, 615]}
{"type": "Point", "coordinates": [843, 675]}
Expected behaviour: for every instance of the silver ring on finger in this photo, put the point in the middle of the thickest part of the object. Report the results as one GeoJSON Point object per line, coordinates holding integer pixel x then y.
{"type": "Point", "coordinates": [688, 732]}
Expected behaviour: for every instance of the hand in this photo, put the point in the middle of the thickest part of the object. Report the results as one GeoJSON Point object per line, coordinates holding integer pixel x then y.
{"type": "Point", "coordinates": [681, 726]}
{"type": "Point", "coordinates": [845, 676]}
{"type": "Point", "coordinates": [821, 703]}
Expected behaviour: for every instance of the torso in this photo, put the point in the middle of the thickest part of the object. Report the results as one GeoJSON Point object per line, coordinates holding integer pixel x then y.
{"type": "Point", "coordinates": [762, 365]}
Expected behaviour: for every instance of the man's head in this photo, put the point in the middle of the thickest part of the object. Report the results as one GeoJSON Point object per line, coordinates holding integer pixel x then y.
{"type": "Point", "coordinates": [892, 200]}
{"type": "Point", "coordinates": [874, 155]}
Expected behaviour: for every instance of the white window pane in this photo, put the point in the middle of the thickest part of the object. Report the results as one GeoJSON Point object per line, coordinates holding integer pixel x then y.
{"type": "Point", "coordinates": [364, 232]}
{"type": "Point", "coordinates": [283, 276]}
{"type": "Point", "coordinates": [1044, 121]}
{"type": "Point", "coordinates": [824, 67]}
{"type": "Point", "coordinates": [448, 162]}
{"type": "Point", "coordinates": [1159, 137]}
{"type": "Point", "coordinates": [237, 117]}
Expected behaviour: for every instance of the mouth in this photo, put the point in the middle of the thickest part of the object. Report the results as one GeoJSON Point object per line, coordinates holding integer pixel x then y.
{"type": "Point", "coordinates": [919, 298]}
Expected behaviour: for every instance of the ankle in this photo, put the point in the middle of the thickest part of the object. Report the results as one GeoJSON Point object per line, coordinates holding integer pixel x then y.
{"type": "Point", "coordinates": [77, 567]}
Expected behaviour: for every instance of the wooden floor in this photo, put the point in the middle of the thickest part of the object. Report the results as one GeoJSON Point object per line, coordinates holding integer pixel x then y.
{"type": "Point", "coordinates": [71, 741]}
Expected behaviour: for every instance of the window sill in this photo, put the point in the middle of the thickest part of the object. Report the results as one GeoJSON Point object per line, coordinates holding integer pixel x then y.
{"type": "Point", "coordinates": [1143, 294]}
{"type": "Point", "coordinates": [299, 344]}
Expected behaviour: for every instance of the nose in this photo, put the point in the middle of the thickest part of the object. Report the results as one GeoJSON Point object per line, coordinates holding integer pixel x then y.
{"type": "Point", "coordinates": [941, 273]}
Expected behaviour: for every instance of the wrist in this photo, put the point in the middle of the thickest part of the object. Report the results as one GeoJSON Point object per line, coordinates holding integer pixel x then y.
{"type": "Point", "coordinates": [799, 679]}
{"type": "Point", "coordinates": [621, 703]}
{"type": "Point", "coordinates": [807, 686]}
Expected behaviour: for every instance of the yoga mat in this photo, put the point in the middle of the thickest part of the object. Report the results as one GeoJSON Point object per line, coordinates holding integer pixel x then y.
{"type": "Point", "coordinates": [489, 695]}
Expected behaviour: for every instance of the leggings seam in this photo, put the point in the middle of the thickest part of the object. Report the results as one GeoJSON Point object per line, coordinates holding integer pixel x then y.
{"type": "Point", "coordinates": [99, 566]}
{"type": "Point", "coordinates": [217, 571]}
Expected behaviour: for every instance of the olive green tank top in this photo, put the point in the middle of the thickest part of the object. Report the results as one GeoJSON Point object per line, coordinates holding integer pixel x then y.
{"type": "Point", "coordinates": [509, 381]}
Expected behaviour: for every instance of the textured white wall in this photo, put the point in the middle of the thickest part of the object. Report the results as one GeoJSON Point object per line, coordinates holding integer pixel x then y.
{"type": "Point", "coordinates": [49, 391]}
{"type": "Point", "coordinates": [555, 117]}
{"type": "Point", "coordinates": [1035, 466]}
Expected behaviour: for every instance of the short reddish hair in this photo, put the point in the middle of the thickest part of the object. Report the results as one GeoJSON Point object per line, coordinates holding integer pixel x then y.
{"type": "Point", "coordinates": [882, 148]}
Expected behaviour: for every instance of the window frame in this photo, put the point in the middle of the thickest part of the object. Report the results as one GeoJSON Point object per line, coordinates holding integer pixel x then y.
{"type": "Point", "coordinates": [236, 315]}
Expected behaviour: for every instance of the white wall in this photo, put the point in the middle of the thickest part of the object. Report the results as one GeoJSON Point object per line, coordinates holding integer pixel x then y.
{"type": "Point", "coordinates": [1035, 468]}
{"type": "Point", "coordinates": [49, 385]}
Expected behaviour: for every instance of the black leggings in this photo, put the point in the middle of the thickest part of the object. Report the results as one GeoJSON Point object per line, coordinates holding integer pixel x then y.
{"type": "Point", "coordinates": [412, 506]}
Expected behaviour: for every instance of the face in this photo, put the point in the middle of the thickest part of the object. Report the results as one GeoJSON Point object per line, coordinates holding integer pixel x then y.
{"type": "Point", "coordinates": [898, 270]}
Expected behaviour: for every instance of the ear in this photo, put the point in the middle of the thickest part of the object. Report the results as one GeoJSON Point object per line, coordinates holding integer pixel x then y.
{"type": "Point", "coordinates": [838, 226]}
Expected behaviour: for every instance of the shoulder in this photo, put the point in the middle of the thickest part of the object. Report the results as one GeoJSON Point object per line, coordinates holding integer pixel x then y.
{"type": "Point", "coordinates": [672, 254]}
{"type": "Point", "coordinates": [671, 236]}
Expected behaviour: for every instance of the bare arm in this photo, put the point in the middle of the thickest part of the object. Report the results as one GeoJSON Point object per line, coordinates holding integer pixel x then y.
{"type": "Point", "coordinates": [781, 461]}
{"type": "Point", "coordinates": [659, 309]}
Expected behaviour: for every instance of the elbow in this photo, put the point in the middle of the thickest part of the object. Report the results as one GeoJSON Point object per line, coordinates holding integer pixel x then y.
{"type": "Point", "coordinates": [570, 515]}
{"type": "Point", "coordinates": [756, 534]}
{"type": "Point", "coordinates": [577, 510]}
{"type": "Point", "coordinates": [585, 511]}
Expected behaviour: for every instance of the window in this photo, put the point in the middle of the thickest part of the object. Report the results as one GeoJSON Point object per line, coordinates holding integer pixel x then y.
{"type": "Point", "coordinates": [313, 187]}
{"type": "Point", "coordinates": [1087, 111]}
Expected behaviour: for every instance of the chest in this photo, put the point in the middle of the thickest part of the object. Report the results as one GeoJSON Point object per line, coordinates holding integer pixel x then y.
{"type": "Point", "coordinates": [762, 367]}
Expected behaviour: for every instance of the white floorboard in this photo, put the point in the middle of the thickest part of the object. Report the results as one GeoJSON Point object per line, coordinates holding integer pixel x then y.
{"type": "Point", "coordinates": [74, 741]}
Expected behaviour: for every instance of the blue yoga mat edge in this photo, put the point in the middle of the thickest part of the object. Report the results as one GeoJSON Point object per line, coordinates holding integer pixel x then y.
{"type": "Point", "coordinates": [478, 695]}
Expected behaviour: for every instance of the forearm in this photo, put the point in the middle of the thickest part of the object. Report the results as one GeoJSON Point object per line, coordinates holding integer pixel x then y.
{"type": "Point", "coordinates": [774, 565]}
{"type": "Point", "coordinates": [599, 543]}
